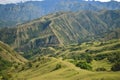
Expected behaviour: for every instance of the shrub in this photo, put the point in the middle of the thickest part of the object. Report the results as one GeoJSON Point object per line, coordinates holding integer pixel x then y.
{"type": "Point", "coordinates": [87, 57]}
{"type": "Point", "coordinates": [116, 67]}
{"type": "Point", "coordinates": [22, 68]}
{"type": "Point", "coordinates": [114, 57]}
{"type": "Point", "coordinates": [58, 66]}
{"type": "Point", "coordinates": [37, 66]}
{"type": "Point", "coordinates": [29, 64]}
{"type": "Point", "coordinates": [100, 56]}
{"type": "Point", "coordinates": [100, 69]}
{"type": "Point", "coordinates": [84, 65]}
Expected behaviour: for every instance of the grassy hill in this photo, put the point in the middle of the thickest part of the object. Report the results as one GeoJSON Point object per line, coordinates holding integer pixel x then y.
{"type": "Point", "coordinates": [41, 70]}
{"type": "Point", "coordinates": [87, 61]}
{"type": "Point", "coordinates": [63, 29]}
{"type": "Point", "coordinates": [97, 54]}
{"type": "Point", "coordinates": [8, 54]}
{"type": "Point", "coordinates": [9, 59]}
{"type": "Point", "coordinates": [60, 63]}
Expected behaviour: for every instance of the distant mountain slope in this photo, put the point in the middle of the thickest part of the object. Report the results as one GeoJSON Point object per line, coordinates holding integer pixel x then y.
{"type": "Point", "coordinates": [13, 14]}
{"type": "Point", "coordinates": [64, 28]}
{"type": "Point", "coordinates": [8, 54]}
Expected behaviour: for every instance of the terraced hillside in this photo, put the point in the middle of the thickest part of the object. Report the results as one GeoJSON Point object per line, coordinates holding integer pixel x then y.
{"type": "Point", "coordinates": [61, 63]}
{"type": "Point", "coordinates": [63, 28]}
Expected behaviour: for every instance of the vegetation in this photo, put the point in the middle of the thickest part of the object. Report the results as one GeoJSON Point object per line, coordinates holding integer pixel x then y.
{"type": "Point", "coordinates": [33, 10]}
{"type": "Point", "coordinates": [60, 46]}
{"type": "Point", "coordinates": [53, 30]}
{"type": "Point", "coordinates": [100, 69]}
{"type": "Point", "coordinates": [116, 67]}
{"type": "Point", "coordinates": [97, 59]}
{"type": "Point", "coordinates": [84, 65]}
{"type": "Point", "coordinates": [58, 66]}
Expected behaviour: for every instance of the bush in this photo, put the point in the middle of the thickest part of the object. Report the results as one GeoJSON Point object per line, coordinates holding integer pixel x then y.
{"type": "Point", "coordinates": [114, 57]}
{"type": "Point", "coordinates": [116, 67]}
{"type": "Point", "coordinates": [29, 64]}
{"type": "Point", "coordinates": [84, 65]}
{"type": "Point", "coordinates": [22, 68]}
{"type": "Point", "coordinates": [100, 69]}
{"type": "Point", "coordinates": [100, 57]}
{"type": "Point", "coordinates": [86, 57]}
{"type": "Point", "coordinates": [58, 66]}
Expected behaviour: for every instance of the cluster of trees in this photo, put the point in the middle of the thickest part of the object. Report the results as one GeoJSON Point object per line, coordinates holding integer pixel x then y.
{"type": "Point", "coordinates": [86, 58]}
{"type": "Point", "coordinates": [84, 65]}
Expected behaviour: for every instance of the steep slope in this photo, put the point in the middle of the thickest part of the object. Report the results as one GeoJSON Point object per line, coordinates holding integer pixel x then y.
{"type": "Point", "coordinates": [8, 54]}
{"type": "Point", "coordinates": [63, 28]}
{"type": "Point", "coordinates": [13, 14]}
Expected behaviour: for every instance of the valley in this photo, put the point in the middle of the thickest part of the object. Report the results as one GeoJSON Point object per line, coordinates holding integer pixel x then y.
{"type": "Point", "coordinates": [60, 40]}
{"type": "Point", "coordinates": [61, 63]}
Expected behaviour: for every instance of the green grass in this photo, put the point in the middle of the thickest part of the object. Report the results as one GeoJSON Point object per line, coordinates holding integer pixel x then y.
{"type": "Point", "coordinates": [101, 64]}
{"type": "Point", "coordinates": [46, 67]}
{"type": "Point", "coordinates": [68, 71]}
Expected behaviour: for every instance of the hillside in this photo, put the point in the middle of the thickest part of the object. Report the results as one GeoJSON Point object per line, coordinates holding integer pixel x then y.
{"type": "Point", "coordinates": [61, 63]}
{"type": "Point", "coordinates": [63, 29]}
{"type": "Point", "coordinates": [8, 54]}
{"type": "Point", "coordinates": [14, 14]}
{"type": "Point", "coordinates": [67, 71]}
{"type": "Point", "coordinates": [9, 59]}
{"type": "Point", "coordinates": [97, 54]}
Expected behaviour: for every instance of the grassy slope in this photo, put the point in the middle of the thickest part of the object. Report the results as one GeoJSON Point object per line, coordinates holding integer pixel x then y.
{"type": "Point", "coordinates": [9, 54]}
{"type": "Point", "coordinates": [68, 71]}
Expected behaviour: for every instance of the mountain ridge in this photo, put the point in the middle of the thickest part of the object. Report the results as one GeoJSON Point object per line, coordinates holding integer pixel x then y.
{"type": "Point", "coordinates": [14, 14]}
{"type": "Point", "coordinates": [63, 28]}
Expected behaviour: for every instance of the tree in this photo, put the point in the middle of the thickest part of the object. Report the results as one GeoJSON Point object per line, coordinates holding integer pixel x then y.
{"type": "Point", "coordinates": [84, 65]}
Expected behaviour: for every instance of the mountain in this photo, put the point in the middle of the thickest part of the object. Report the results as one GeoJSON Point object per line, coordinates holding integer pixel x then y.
{"type": "Point", "coordinates": [63, 28]}
{"type": "Point", "coordinates": [8, 54]}
{"type": "Point", "coordinates": [14, 14]}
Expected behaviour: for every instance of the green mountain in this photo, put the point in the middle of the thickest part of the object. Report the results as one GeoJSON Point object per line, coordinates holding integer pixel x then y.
{"type": "Point", "coordinates": [14, 14]}
{"type": "Point", "coordinates": [63, 29]}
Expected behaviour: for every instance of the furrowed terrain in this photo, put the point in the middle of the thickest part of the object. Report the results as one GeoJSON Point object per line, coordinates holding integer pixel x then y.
{"type": "Point", "coordinates": [63, 29]}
